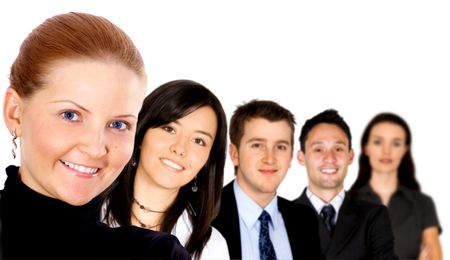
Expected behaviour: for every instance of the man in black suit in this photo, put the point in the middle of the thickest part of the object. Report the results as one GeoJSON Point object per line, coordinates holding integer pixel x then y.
{"type": "Point", "coordinates": [262, 138]}
{"type": "Point", "coordinates": [348, 229]}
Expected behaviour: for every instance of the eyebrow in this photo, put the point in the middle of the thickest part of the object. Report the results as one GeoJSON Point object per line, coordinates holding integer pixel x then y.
{"type": "Point", "coordinates": [258, 139]}
{"type": "Point", "coordinates": [197, 131]}
{"type": "Point", "coordinates": [284, 142]}
{"type": "Point", "coordinates": [87, 110]}
{"type": "Point", "coordinates": [320, 142]}
{"type": "Point", "coordinates": [395, 138]}
{"type": "Point", "coordinates": [205, 133]}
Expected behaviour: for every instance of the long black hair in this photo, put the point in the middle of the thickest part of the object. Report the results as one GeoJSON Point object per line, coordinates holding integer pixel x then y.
{"type": "Point", "coordinates": [406, 170]}
{"type": "Point", "coordinates": [168, 103]}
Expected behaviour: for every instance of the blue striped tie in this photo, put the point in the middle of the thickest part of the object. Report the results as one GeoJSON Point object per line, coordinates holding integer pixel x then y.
{"type": "Point", "coordinates": [266, 250]}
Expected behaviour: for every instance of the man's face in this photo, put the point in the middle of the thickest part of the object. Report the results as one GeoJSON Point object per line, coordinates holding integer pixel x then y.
{"type": "Point", "coordinates": [326, 158]}
{"type": "Point", "coordinates": [264, 156]}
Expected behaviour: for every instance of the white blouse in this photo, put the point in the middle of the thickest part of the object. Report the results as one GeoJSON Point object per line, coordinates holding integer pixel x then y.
{"type": "Point", "coordinates": [215, 248]}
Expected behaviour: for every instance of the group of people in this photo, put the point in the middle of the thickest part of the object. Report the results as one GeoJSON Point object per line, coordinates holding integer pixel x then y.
{"type": "Point", "coordinates": [106, 172]}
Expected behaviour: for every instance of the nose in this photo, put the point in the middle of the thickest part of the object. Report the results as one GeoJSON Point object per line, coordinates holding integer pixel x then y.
{"type": "Point", "coordinates": [386, 149]}
{"type": "Point", "coordinates": [269, 156]}
{"type": "Point", "coordinates": [178, 148]}
{"type": "Point", "coordinates": [94, 143]}
{"type": "Point", "coordinates": [330, 156]}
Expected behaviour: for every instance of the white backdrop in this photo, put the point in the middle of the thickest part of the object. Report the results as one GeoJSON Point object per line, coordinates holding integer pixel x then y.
{"type": "Point", "coordinates": [359, 57]}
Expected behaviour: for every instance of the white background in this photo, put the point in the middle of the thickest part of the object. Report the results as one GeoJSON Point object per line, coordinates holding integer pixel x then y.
{"type": "Point", "coordinates": [359, 57]}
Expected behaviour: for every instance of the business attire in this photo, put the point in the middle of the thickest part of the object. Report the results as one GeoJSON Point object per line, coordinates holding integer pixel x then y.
{"type": "Point", "coordinates": [411, 212]}
{"type": "Point", "coordinates": [36, 226]}
{"type": "Point", "coordinates": [362, 230]}
{"type": "Point", "coordinates": [293, 228]}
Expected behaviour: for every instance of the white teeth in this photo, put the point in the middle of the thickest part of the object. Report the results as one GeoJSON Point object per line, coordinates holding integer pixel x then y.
{"type": "Point", "coordinates": [329, 171]}
{"type": "Point", "coordinates": [80, 168]}
{"type": "Point", "coordinates": [172, 164]}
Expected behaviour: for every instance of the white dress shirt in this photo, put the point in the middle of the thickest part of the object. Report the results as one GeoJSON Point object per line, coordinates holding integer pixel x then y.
{"type": "Point", "coordinates": [318, 203]}
{"type": "Point", "coordinates": [249, 212]}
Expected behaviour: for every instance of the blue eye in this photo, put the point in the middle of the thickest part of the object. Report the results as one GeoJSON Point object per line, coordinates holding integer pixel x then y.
{"type": "Point", "coordinates": [70, 115]}
{"type": "Point", "coordinates": [256, 145]}
{"type": "Point", "coordinates": [120, 125]}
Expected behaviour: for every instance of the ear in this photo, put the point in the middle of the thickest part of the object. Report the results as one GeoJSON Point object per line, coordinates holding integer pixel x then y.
{"type": "Point", "coordinates": [351, 156]}
{"type": "Point", "coordinates": [12, 110]}
{"type": "Point", "coordinates": [234, 154]}
{"type": "Point", "coordinates": [301, 157]}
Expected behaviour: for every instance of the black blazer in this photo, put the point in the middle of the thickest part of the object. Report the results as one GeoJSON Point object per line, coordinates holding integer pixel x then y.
{"type": "Point", "coordinates": [363, 231]}
{"type": "Point", "coordinates": [301, 225]}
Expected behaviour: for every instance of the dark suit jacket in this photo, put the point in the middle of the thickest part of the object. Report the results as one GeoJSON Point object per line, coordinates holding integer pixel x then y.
{"type": "Point", "coordinates": [363, 231]}
{"type": "Point", "coordinates": [301, 225]}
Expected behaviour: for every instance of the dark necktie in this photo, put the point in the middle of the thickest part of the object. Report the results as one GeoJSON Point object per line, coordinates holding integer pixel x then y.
{"type": "Point", "coordinates": [266, 250]}
{"type": "Point", "coordinates": [327, 214]}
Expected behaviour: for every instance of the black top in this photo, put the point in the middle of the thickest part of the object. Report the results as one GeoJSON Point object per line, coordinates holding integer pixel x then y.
{"type": "Point", "coordinates": [411, 212]}
{"type": "Point", "coordinates": [37, 226]}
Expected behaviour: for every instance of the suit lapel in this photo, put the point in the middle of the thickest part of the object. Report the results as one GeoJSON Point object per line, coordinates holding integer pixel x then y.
{"type": "Point", "coordinates": [291, 224]}
{"type": "Point", "coordinates": [323, 233]}
{"type": "Point", "coordinates": [347, 224]}
{"type": "Point", "coordinates": [303, 199]}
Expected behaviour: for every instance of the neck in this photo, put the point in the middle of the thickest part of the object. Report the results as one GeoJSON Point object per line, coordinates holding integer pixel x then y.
{"type": "Point", "coordinates": [326, 195]}
{"type": "Point", "coordinates": [384, 184]}
{"type": "Point", "coordinates": [151, 203]}
{"type": "Point", "coordinates": [261, 198]}
{"type": "Point", "coordinates": [152, 196]}
{"type": "Point", "coordinates": [264, 199]}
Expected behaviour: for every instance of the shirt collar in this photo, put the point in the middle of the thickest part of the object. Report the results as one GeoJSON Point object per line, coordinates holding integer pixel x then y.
{"type": "Point", "coordinates": [401, 190]}
{"type": "Point", "coordinates": [250, 211]}
{"type": "Point", "coordinates": [318, 203]}
{"type": "Point", "coordinates": [408, 193]}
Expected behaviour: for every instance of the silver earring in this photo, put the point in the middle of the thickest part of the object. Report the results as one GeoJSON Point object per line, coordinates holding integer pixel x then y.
{"type": "Point", "coordinates": [133, 162]}
{"type": "Point", "coordinates": [194, 187]}
{"type": "Point", "coordinates": [14, 137]}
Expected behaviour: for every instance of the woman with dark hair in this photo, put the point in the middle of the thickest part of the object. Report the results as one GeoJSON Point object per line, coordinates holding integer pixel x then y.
{"type": "Point", "coordinates": [173, 182]}
{"type": "Point", "coordinates": [76, 88]}
{"type": "Point", "coordinates": [387, 175]}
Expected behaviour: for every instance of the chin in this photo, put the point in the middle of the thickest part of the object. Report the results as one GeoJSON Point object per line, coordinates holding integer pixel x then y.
{"type": "Point", "coordinates": [77, 200]}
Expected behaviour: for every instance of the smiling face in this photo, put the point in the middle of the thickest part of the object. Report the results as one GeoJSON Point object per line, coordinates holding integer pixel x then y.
{"type": "Point", "coordinates": [77, 131]}
{"type": "Point", "coordinates": [326, 157]}
{"type": "Point", "coordinates": [263, 158]}
{"type": "Point", "coordinates": [173, 154]}
{"type": "Point", "coordinates": [386, 147]}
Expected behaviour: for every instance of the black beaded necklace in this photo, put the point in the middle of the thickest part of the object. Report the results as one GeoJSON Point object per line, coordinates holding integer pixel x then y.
{"type": "Point", "coordinates": [144, 208]}
{"type": "Point", "coordinates": [142, 224]}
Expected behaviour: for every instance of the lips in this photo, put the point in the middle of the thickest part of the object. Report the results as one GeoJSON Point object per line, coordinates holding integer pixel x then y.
{"type": "Point", "coordinates": [81, 168]}
{"type": "Point", "coordinates": [329, 171]}
{"type": "Point", "coordinates": [267, 171]}
{"type": "Point", "coordinates": [172, 164]}
{"type": "Point", "coordinates": [386, 161]}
